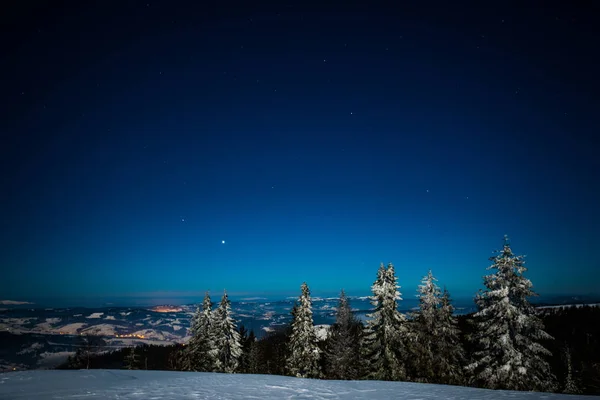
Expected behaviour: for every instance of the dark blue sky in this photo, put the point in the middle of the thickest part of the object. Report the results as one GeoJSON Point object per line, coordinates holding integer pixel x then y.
{"type": "Point", "coordinates": [316, 142]}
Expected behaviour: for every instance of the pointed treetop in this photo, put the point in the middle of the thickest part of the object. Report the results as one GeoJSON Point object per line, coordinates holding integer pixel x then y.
{"type": "Point", "coordinates": [207, 303]}
{"type": "Point", "coordinates": [506, 243]}
{"type": "Point", "coordinates": [430, 276]}
{"type": "Point", "coordinates": [304, 288]}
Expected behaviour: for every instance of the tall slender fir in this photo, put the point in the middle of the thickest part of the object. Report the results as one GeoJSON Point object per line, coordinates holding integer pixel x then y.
{"type": "Point", "coordinates": [386, 331]}
{"type": "Point", "coordinates": [303, 351]}
{"type": "Point", "coordinates": [200, 352]}
{"type": "Point", "coordinates": [228, 348]}
{"type": "Point", "coordinates": [425, 329]}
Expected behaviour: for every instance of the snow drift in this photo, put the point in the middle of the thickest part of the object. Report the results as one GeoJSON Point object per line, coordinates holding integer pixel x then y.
{"type": "Point", "coordinates": [124, 385]}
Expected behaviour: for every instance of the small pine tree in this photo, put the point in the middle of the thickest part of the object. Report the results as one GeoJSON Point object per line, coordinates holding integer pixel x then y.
{"type": "Point", "coordinates": [254, 358]}
{"type": "Point", "coordinates": [570, 386]}
{"type": "Point", "coordinates": [304, 353]}
{"type": "Point", "coordinates": [246, 340]}
{"type": "Point", "coordinates": [343, 351]}
{"type": "Point", "coordinates": [386, 332]}
{"type": "Point", "coordinates": [228, 349]}
{"type": "Point", "coordinates": [89, 345]}
{"type": "Point", "coordinates": [132, 359]}
{"type": "Point", "coordinates": [508, 332]}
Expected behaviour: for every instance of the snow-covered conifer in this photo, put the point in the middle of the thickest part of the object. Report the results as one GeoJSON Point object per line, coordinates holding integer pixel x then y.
{"type": "Point", "coordinates": [437, 351]}
{"type": "Point", "coordinates": [424, 327]}
{"type": "Point", "coordinates": [303, 351]}
{"type": "Point", "coordinates": [228, 348]}
{"type": "Point", "coordinates": [343, 351]}
{"type": "Point", "coordinates": [508, 332]}
{"type": "Point", "coordinates": [199, 354]}
{"type": "Point", "coordinates": [570, 386]}
{"type": "Point", "coordinates": [450, 355]}
{"type": "Point", "coordinates": [386, 331]}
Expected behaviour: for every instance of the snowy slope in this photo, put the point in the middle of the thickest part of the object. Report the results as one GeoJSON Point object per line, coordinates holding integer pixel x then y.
{"type": "Point", "coordinates": [125, 385]}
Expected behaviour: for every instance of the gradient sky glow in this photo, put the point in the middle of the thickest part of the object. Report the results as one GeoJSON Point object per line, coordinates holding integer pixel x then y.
{"type": "Point", "coordinates": [316, 143]}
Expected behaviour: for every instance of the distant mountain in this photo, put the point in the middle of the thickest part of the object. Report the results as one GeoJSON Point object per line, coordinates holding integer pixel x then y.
{"type": "Point", "coordinates": [14, 303]}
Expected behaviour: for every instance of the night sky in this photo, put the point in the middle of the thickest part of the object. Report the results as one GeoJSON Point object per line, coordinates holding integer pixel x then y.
{"type": "Point", "coordinates": [159, 149]}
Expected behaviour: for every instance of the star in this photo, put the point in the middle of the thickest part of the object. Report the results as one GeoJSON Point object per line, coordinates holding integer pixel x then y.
{"type": "Point", "coordinates": [222, 242]}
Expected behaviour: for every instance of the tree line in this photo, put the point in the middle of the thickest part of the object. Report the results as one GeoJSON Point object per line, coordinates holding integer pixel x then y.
{"type": "Point", "coordinates": [508, 339]}
{"type": "Point", "coordinates": [504, 345]}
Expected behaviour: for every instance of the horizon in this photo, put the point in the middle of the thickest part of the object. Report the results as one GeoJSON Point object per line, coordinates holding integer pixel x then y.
{"type": "Point", "coordinates": [145, 301]}
{"type": "Point", "coordinates": [164, 149]}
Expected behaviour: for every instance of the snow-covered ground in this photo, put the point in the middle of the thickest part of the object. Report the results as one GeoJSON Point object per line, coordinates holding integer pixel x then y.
{"type": "Point", "coordinates": [121, 384]}
{"type": "Point", "coordinates": [564, 306]}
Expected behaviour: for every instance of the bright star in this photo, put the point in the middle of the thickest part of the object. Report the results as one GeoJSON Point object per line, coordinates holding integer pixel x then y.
{"type": "Point", "coordinates": [222, 241]}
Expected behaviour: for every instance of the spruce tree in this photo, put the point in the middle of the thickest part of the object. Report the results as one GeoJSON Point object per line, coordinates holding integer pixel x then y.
{"type": "Point", "coordinates": [132, 359]}
{"type": "Point", "coordinates": [255, 357]}
{"type": "Point", "coordinates": [450, 355]}
{"type": "Point", "coordinates": [188, 357]}
{"type": "Point", "coordinates": [386, 331]}
{"type": "Point", "coordinates": [199, 354]}
{"type": "Point", "coordinates": [508, 333]}
{"type": "Point", "coordinates": [425, 329]}
{"type": "Point", "coordinates": [570, 385]}
{"type": "Point", "coordinates": [228, 348]}
{"type": "Point", "coordinates": [303, 351]}
{"type": "Point", "coordinates": [437, 353]}
{"type": "Point", "coordinates": [343, 351]}
{"type": "Point", "coordinates": [246, 340]}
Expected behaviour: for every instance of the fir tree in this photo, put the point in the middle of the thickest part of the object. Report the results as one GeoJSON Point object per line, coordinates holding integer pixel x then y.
{"type": "Point", "coordinates": [450, 355]}
{"type": "Point", "coordinates": [303, 351]}
{"type": "Point", "coordinates": [425, 329]}
{"type": "Point", "coordinates": [343, 351]}
{"type": "Point", "coordinates": [89, 346]}
{"type": "Point", "coordinates": [188, 357]}
{"type": "Point", "coordinates": [508, 332]}
{"type": "Point", "coordinates": [570, 386]}
{"type": "Point", "coordinates": [246, 340]}
{"type": "Point", "coordinates": [386, 330]}
{"type": "Point", "coordinates": [228, 348]}
{"type": "Point", "coordinates": [254, 358]}
{"type": "Point", "coordinates": [200, 352]}
{"type": "Point", "coordinates": [132, 359]}
{"type": "Point", "coordinates": [437, 352]}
